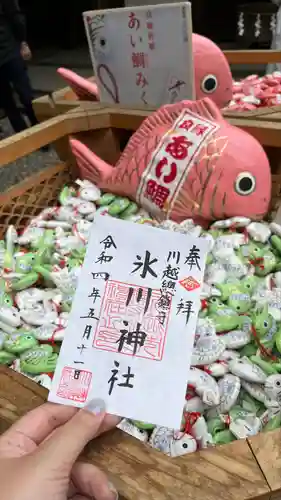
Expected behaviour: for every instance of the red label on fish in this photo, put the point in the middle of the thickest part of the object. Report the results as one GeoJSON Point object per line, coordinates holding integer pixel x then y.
{"type": "Point", "coordinates": [190, 284]}
{"type": "Point", "coordinates": [171, 162]}
{"type": "Point", "coordinates": [74, 384]}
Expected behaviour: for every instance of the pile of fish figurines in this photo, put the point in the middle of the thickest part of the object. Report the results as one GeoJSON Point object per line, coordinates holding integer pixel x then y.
{"type": "Point", "coordinates": [254, 92]}
{"type": "Point", "coordinates": [234, 385]}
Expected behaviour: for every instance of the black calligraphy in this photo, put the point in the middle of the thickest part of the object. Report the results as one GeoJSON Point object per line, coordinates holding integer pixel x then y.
{"type": "Point", "coordinates": [145, 265]}
{"type": "Point", "coordinates": [90, 315]}
{"type": "Point", "coordinates": [81, 348]}
{"type": "Point", "coordinates": [168, 287]}
{"type": "Point", "coordinates": [108, 243]}
{"type": "Point", "coordinates": [193, 258]}
{"type": "Point", "coordinates": [115, 377]}
{"type": "Point", "coordinates": [95, 294]}
{"type": "Point", "coordinates": [103, 276]}
{"type": "Point", "coordinates": [87, 332]}
{"type": "Point", "coordinates": [135, 338]}
{"type": "Point", "coordinates": [139, 297]}
{"type": "Point", "coordinates": [185, 307]}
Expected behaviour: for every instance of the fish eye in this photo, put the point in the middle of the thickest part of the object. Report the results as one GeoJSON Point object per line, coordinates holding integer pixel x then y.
{"type": "Point", "coordinates": [185, 445]}
{"type": "Point", "coordinates": [265, 324]}
{"type": "Point", "coordinates": [245, 184]}
{"type": "Point", "coordinates": [278, 382]}
{"type": "Point", "coordinates": [209, 84]}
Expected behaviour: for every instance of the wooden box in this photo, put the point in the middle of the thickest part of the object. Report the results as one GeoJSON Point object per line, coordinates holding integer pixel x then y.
{"type": "Point", "coordinates": [64, 100]}
{"type": "Point", "coordinates": [242, 470]}
{"type": "Point", "coordinates": [252, 57]}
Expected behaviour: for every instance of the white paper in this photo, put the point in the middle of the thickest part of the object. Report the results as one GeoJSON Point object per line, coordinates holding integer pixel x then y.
{"type": "Point", "coordinates": [94, 348]}
{"type": "Point", "coordinates": [142, 55]}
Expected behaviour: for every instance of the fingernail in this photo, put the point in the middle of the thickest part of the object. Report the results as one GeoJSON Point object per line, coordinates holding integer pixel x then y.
{"type": "Point", "coordinates": [95, 406]}
{"type": "Point", "coordinates": [113, 490]}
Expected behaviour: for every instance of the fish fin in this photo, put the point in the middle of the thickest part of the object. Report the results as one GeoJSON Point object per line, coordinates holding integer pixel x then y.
{"type": "Point", "coordinates": [90, 166]}
{"type": "Point", "coordinates": [167, 115]}
{"type": "Point", "coordinates": [83, 88]}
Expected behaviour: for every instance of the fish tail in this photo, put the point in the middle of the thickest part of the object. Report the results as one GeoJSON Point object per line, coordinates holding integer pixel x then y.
{"type": "Point", "coordinates": [90, 166]}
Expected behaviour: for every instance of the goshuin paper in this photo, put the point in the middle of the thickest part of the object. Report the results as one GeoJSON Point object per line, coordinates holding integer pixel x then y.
{"type": "Point", "coordinates": [131, 330]}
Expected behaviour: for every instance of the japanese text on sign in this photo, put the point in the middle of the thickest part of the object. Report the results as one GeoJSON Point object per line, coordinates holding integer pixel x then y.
{"type": "Point", "coordinates": [135, 59]}
{"type": "Point", "coordinates": [170, 163]}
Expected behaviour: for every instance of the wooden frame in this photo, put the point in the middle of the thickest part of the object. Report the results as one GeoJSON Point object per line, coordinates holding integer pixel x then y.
{"type": "Point", "coordinates": [238, 471]}
{"type": "Point", "coordinates": [64, 99]}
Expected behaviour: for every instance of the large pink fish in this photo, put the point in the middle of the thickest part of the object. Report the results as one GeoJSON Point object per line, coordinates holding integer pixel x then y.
{"type": "Point", "coordinates": [186, 161]}
{"type": "Point", "coordinates": [211, 72]}
{"type": "Point", "coordinates": [86, 90]}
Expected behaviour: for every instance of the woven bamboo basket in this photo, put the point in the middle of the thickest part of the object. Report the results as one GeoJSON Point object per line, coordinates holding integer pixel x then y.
{"type": "Point", "coordinates": [242, 470]}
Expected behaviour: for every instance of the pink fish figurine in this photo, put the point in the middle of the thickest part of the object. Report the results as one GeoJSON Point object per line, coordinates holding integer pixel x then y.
{"type": "Point", "coordinates": [186, 161]}
{"type": "Point", "coordinates": [211, 70]}
{"type": "Point", "coordinates": [86, 90]}
{"type": "Point", "coordinates": [212, 73]}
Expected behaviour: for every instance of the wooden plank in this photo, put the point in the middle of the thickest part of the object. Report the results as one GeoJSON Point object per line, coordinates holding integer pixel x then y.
{"type": "Point", "coordinates": [272, 115]}
{"type": "Point", "coordinates": [267, 450]}
{"type": "Point", "coordinates": [30, 140]}
{"type": "Point", "coordinates": [252, 56]}
{"type": "Point", "coordinates": [228, 472]}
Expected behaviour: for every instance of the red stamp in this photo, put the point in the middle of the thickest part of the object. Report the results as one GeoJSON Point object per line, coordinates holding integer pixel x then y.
{"type": "Point", "coordinates": [129, 321]}
{"type": "Point", "coordinates": [190, 284]}
{"type": "Point", "coordinates": [74, 384]}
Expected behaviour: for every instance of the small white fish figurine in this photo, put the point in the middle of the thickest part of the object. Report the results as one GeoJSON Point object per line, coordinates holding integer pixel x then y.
{"type": "Point", "coordinates": [194, 404]}
{"type": "Point", "coordinates": [27, 298]}
{"type": "Point", "coordinates": [229, 355]}
{"type": "Point", "coordinates": [49, 333]}
{"type": "Point", "coordinates": [229, 387]}
{"type": "Point", "coordinates": [243, 428]}
{"type": "Point", "coordinates": [200, 432]}
{"type": "Point", "coordinates": [272, 387]}
{"type": "Point", "coordinates": [128, 427]}
{"type": "Point", "coordinates": [10, 316]}
{"type": "Point", "coordinates": [205, 386]}
{"type": "Point", "coordinates": [248, 371]}
{"type": "Point", "coordinates": [172, 443]}
{"type": "Point", "coordinates": [205, 328]}
{"type": "Point", "coordinates": [207, 350]}
{"type": "Point", "coordinates": [38, 315]}
{"type": "Point", "coordinates": [236, 339]}
{"type": "Point", "coordinates": [218, 369]}
{"type": "Point", "coordinates": [257, 392]}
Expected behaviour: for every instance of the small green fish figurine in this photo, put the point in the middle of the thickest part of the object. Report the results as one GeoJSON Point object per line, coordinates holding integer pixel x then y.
{"type": "Point", "coordinates": [38, 360]}
{"type": "Point", "coordinates": [19, 342]}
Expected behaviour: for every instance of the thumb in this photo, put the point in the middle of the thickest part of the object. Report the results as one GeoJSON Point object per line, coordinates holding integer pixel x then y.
{"type": "Point", "coordinates": [64, 446]}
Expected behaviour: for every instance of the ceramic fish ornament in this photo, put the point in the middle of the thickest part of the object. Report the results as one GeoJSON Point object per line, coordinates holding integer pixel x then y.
{"type": "Point", "coordinates": [128, 427]}
{"type": "Point", "coordinates": [186, 161]}
{"type": "Point", "coordinates": [172, 443]}
{"type": "Point", "coordinates": [205, 386]}
{"type": "Point", "coordinates": [84, 89]}
{"type": "Point", "coordinates": [272, 387]}
{"type": "Point", "coordinates": [211, 73]}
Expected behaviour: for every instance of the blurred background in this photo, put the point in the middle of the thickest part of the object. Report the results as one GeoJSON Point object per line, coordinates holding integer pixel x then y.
{"type": "Point", "coordinates": [56, 32]}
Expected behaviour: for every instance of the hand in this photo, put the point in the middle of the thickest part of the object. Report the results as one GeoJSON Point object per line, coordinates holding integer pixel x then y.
{"type": "Point", "coordinates": [25, 51]}
{"type": "Point", "coordinates": [38, 455]}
